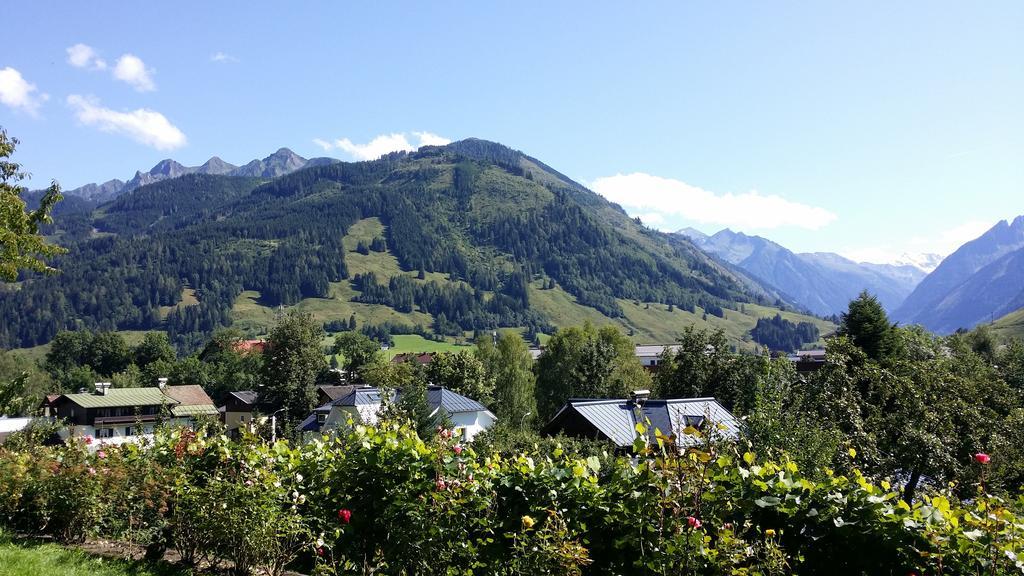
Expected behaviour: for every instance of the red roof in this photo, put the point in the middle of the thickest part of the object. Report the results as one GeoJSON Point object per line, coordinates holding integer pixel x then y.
{"type": "Point", "coordinates": [251, 345]}
{"type": "Point", "coordinates": [421, 358]}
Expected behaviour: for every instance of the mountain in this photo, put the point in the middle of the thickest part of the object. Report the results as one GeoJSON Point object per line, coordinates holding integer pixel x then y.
{"type": "Point", "coordinates": [277, 164]}
{"type": "Point", "coordinates": [282, 162]}
{"type": "Point", "coordinates": [925, 261]}
{"type": "Point", "coordinates": [97, 192]}
{"type": "Point", "coordinates": [449, 240]}
{"type": "Point", "coordinates": [821, 282]}
{"type": "Point", "coordinates": [982, 280]}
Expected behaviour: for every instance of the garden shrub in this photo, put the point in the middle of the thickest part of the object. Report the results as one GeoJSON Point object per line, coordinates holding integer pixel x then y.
{"type": "Point", "coordinates": [380, 500]}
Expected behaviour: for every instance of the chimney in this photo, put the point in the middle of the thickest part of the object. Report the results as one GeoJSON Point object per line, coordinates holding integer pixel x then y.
{"type": "Point", "coordinates": [638, 397]}
{"type": "Point", "coordinates": [102, 387]}
{"type": "Point", "coordinates": [161, 383]}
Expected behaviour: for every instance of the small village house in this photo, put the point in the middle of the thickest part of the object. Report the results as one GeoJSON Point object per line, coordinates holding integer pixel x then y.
{"type": "Point", "coordinates": [117, 415]}
{"type": "Point", "coordinates": [616, 420]}
{"type": "Point", "coordinates": [363, 405]}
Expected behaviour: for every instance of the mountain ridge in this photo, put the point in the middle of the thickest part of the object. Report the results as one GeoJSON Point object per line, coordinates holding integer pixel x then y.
{"type": "Point", "coordinates": [283, 161]}
{"type": "Point", "coordinates": [822, 282]}
{"type": "Point", "coordinates": [974, 284]}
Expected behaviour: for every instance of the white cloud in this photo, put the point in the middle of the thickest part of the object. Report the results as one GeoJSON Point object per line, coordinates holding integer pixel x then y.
{"type": "Point", "coordinates": [382, 144]}
{"type": "Point", "coordinates": [223, 58]}
{"type": "Point", "coordinates": [19, 93]}
{"type": "Point", "coordinates": [639, 192]}
{"type": "Point", "coordinates": [84, 56]}
{"type": "Point", "coordinates": [921, 250]}
{"type": "Point", "coordinates": [132, 69]}
{"type": "Point", "coordinates": [145, 126]}
{"type": "Point", "coordinates": [651, 218]}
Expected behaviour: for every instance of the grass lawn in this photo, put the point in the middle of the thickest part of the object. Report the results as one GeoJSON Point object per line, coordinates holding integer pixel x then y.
{"type": "Point", "coordinates": [23, 559]}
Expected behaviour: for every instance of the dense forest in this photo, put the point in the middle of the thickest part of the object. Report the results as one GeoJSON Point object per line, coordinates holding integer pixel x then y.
{"type": "Point", "coordinates": [488, 217]}
{"type": "Point", "coordinates": [777, 333]}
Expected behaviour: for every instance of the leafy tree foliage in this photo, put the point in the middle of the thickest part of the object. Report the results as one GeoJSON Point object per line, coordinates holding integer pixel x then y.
{"type": "Point", "coordinates": [509, 362]}
{"type": "Point", "coordinates": [22, 246]}
{"type": "Point", "coordinates": [703, 365]}
{"type": "Point", "coordinates": [292, 362]}
{"type": "Point", "coordinates": [22, 385]}
{"type": "Point", "coordinates": [463, 373]}
{"type": "Point", "coordinates": [357, 351]}
{"type": "Point", "coordinates": [587, 362]}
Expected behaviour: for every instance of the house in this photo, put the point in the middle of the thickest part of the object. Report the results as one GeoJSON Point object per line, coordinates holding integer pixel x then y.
{"type": "Point", "coordinates": [10, 425]}
{"type": "Point", "coordinates": [363, 404]}
{"type": "Point", "coordinates": [258, 346]}
{"type": "Point", "coordinates": [238, 410]}
{"type": "Point", "coordinates": [616, 419]}
{"type": "Point", "coordinates": [423, 358]}
{"type": "Point", "coordinates": [650, 354]}
{"type": "Point", "coordinates": [807, 361]}
{"type": "Point", "coordinates": [118, 415]}
{"type": "Point", "coordinates": [328, 394]}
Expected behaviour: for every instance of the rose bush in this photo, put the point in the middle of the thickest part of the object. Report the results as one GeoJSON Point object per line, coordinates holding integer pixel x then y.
{"type": "Point", "coordinates": [380, 500]}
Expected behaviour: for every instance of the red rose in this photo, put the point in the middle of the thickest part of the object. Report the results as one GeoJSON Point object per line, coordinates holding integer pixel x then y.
{"type": "Point", "coordinates": [693, 522]}
{"type": "Point", "coordinates": [457, 449]}
{"type": "Point", "coordinates": [441, 485]}
{"type": "Point", "coordinates": [982, 458]}
{"type": "Point", "coordinates": [345, 515]}
{"type": "Point", "coordinates": [319, 551]}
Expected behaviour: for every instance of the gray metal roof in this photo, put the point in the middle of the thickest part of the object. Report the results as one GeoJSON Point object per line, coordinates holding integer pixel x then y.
{"type": "Point", "coordinates": [451, 402]}
{"type": "Point", "coordinates": [437, 397]}
{"type": "Point", "coordinates": [613, 418]}
{"type": "Point", "coordinates": [359, 397]}
{"type": "Point", "coordinates": [648, 350]}
{"type": "Point", "coordinates": [617, 418]}
{"type": "Point", "coordinates": [246, 396]}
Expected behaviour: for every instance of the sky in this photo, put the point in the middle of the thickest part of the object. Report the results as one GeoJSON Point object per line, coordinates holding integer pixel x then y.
{"type": "Point", "coordinates": [872, 129]}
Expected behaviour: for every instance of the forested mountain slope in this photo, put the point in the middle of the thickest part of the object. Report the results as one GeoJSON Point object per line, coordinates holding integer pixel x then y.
{"type": "Point", "coordinates": [474, 228]}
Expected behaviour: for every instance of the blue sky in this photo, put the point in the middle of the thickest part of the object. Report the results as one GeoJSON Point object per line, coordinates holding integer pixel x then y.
{"type": "Point", "coordinates": [871, 129]}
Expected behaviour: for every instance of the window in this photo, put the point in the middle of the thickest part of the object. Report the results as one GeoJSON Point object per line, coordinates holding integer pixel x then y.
{"type": "Point", "coordinates": [321, 418]}
{"type": "Point", "coordinates": [104, 432]}
{"type": "Point", "coordinates": [127, 430]}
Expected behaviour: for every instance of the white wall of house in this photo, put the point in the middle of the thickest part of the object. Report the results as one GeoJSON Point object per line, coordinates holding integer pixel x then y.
{"type": "Point", "coordinates": [469, 424]}
{"type": "Point", "coordinates": [120, 433]}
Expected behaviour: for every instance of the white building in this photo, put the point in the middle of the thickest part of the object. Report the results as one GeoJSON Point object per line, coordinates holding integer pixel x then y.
{"type": "Point", "coordinates": [363, 405]}
{"type": "Point", "coordinates": [118, 415]}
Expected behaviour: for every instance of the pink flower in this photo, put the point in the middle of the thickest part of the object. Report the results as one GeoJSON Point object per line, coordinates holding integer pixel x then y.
{"type": "Point", "coordinates": [319, 551]}
{"type": "Point", "coordinates": [345, 515]}
{"type": "Point", "coordinates": [88, 440]}
{"type": "Point", "coordinates": [693, 522]}
{"type": "Point", "coordinates": [457, 449]}
{"type": "Point", "coordinates": [441, 485]}
{"type": "Point", "coordinates": [101, 454]}
{"type": "Point", "coordinates": [92, 471]}
{"type": "Point", "coordinates": [982, 458]}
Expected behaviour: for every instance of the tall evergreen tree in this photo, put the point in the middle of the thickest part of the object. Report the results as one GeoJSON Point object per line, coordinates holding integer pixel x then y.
{"type": "Point", "coordinates": [866, 324]}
